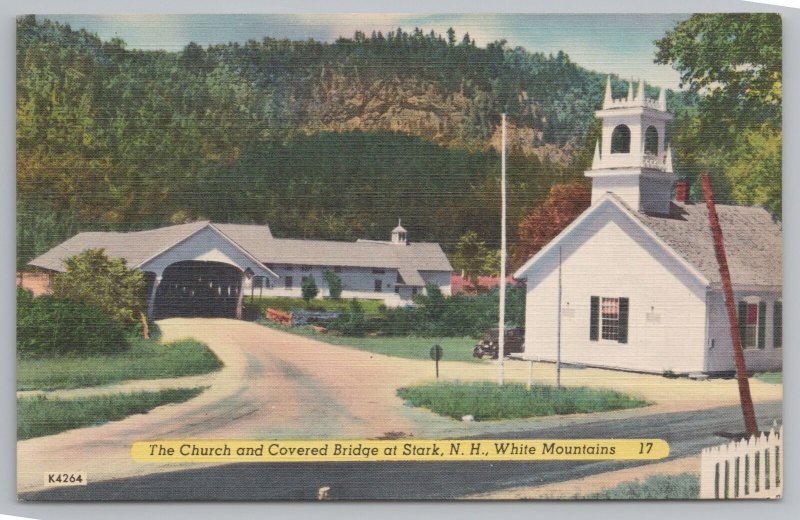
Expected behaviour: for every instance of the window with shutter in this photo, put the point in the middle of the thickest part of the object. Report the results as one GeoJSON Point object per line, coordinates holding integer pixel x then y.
{"type": "Point", "coordinates": [594, 319]}
{"type": "Point", "coordinates": [623, 320]}
{"type": "Point", "coordinates": [777, 325]}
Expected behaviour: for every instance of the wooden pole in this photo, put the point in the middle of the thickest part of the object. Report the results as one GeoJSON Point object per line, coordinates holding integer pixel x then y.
{"type": "Point", "coordinates": [738, 355]}
{"type": "Point", "coordinates": [501, 336]}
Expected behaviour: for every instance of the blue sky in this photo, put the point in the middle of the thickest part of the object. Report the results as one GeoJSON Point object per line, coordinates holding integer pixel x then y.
{"type": "Point", "coordinates": [621, 44]}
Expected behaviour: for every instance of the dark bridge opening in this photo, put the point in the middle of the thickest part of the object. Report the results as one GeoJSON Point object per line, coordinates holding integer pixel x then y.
{"type": "Point", "coordinates": [191, 288]}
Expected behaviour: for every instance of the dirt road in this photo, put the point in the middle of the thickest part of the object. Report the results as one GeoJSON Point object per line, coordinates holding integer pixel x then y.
{"type": "Point", "coordinates": [278, 385]}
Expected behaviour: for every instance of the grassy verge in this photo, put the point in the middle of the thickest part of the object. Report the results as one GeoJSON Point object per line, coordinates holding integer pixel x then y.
{"type": "Point", "coordinates": [409, 347]}
{"type": "Point", "coordinates": [39, 416]}
{"type": "Point", "coordinates": [146, 359]}
{"type": "Point", "coordinates": [665, 487]}
{"type": "Point", "coordinates": [488, 401]}
{"type": "Point", "coordinates": [775, 378]}
{"type": "Point", "coordinates": [287, 303]}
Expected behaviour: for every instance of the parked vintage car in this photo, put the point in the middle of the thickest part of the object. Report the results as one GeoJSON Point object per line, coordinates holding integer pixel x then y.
{"type": "Point", "coordinates": [489, 345]}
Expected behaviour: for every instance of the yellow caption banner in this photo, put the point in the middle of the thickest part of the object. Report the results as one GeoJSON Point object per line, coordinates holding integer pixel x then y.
{"type": "Point", "coordinates": [532, 450]}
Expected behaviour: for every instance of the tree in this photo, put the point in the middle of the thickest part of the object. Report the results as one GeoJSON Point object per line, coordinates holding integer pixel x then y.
{"type": "Point", "coordinates": [93, 278]}
{"type": "Point", "coordinates": [734, 58]}
{"type": "Point", "coordinates": [562, 205]}
{"type": "Point", "coordinates": [733, 61]}
{"type": "Point", "coordinates": [309, 288]}
{"type": "Point", "coordinates": [473, 258]}
{"type": "Point", "coordinates": [334, 284]}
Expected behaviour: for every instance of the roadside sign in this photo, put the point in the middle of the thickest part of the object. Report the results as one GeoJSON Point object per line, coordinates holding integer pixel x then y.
{"type": "Point", "coordinates": [436, 355]}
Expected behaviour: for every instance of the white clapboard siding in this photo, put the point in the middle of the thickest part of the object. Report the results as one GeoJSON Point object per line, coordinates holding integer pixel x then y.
{"type": "Point", "coordinates": [750, 468]}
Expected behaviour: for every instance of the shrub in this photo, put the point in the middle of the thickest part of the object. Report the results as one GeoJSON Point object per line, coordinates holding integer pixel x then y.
{"type": "Point", "coordinates": [309, 288]}
{"type": "Point", "coordinates": [47, 327]}
{"type": "Point", "coordinates": [93, 278]}
{"type": "Point", "coordinates": [334, 284]}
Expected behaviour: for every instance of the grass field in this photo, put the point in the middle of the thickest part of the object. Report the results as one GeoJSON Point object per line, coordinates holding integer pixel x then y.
{"type": "Point", "coordinates": [39, 416]}
{"type": "Point", "coordinates": [146, 359]}
{"type": "Point", "coordinates": [664, 487]}
{"type": "Point", "coordinates": [487, 401]}
{"type": "Point", "coordinates": [770, 377]}
{"type": "Point", "coordinates": [409, 347]}
{"type": "Point", "coordinates": [286, 303]}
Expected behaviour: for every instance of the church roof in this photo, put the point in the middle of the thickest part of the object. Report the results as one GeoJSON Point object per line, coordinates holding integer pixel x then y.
{"type": "Point", "coordinates": [753, 241]}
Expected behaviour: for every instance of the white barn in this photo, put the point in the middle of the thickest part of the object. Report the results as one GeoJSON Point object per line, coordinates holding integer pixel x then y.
{"type": "Point", "coordinates": [639, 283]}
{"type": "Point", "coordinates": [205, 268]}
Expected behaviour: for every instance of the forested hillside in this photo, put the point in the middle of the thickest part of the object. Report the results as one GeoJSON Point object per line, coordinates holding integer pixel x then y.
{"type": "Point", "coordinates": [329, 140]}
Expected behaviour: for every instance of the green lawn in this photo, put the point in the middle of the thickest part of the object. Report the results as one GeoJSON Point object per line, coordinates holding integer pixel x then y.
{"type": "Point", "coordinates": [658, 487]}
{"type": "Point", "coordinates": [409, 347]}
{"type": "Point", "coordinates": [40, 416]}
{"type": "Point", "coordinates": [770, 377]}
{"type": "Point", "coordinates": [146, 359]}
{"type": "Point", "coordinates": [487, 401]}
{"type": "Point", "coordinates": [286, 303]}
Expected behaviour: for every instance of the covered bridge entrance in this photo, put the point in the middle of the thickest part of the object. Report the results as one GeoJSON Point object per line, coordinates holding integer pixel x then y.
{"type": "Point", "coordinates": [195, 288]}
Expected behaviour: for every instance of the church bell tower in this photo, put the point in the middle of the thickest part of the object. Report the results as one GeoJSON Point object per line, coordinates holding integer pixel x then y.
{"type": "Point", "coordinates": [631, 159]}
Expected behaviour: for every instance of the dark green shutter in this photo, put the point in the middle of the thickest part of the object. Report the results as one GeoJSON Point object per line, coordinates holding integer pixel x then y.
{"type": "Point", "coordinates": [777, 325]}
{"type": "Point", "coordinates": [594, 321]}
{"type": "Point", "coordinates": [623, 320]}
{"type": "Point", "coordinates": [762, 324]}
{"type": "Point", "coordinates": [742, 321]}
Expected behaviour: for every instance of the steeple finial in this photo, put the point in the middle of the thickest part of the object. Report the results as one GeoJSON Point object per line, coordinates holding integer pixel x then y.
{"type": "Point", "coordinates": [607, 100]}
{"type": "Point", "coordinates": [596, 160]}
{"type": "Point", "coordinates": [662, 99]}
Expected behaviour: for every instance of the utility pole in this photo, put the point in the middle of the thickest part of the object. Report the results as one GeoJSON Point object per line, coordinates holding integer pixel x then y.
{"type": "Point", "coordinates": [738, 355]}
{"type": "Point", "coordinates": [501, 326]}
{"type": "Point", "coordinates": [558, 340]}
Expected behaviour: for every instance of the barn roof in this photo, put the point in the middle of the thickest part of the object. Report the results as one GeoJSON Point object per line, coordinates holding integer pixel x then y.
{"type": "Point", "coordinates": [139, 246]}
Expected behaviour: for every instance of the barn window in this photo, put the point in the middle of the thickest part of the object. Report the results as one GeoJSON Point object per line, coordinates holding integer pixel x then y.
{"type": "Point", "coordinates": [609, 319]}
{"type": "Point", "coordinates": [378, 271]}
{"type": "Point", "coordinates": [752, 324]}
{"type": "Point", "coordinates": [651, 141]}
{"type": "Point", "coordinates": [378, 285]}
{"type": "Point", "coordinates": [287, 282]}
{"type": "Point", "coordinates": [777, 324]}
{"type": "Point", "coordinates": [621, 140]}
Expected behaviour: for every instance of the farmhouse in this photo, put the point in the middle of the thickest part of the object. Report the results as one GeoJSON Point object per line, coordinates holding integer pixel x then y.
{"type": "Point", "coordinates": [205, 268]}
{"type": "Point", "coordinates": [633, 282]}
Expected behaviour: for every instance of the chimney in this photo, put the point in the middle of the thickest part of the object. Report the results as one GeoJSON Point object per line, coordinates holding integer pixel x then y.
{"type": "Point", "coordinates": [682, 191]}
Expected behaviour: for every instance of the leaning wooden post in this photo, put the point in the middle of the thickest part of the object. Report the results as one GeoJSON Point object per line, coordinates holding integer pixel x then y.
{"type": "Point", "coordinates": [738, 355]}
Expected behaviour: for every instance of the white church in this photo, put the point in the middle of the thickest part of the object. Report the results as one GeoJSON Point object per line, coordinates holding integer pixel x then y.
{"type": "Point", "coordinates": [637, 275]}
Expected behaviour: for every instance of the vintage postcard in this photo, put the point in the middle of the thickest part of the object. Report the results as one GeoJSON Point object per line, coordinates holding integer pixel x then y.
{"type": "Point", "coordinates": [399, 257]}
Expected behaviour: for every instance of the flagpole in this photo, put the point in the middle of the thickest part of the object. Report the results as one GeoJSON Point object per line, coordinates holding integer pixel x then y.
{"type": "Point", "coordinates": [501, 336]}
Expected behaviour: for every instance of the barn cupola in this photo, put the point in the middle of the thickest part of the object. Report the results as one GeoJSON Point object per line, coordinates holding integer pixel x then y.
{"type": "Point", "coordinates": [399, 234]}
{"type": "Point", "coordinates": [632, 159]}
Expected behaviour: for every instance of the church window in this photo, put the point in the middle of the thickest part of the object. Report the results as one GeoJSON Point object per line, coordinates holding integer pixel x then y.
{"type": "Point", "coordinates": [651, 141]}
{"type": "Point", "coordinates": [609, 319]}
{"type": "Point", "coordinates": [621, 140]}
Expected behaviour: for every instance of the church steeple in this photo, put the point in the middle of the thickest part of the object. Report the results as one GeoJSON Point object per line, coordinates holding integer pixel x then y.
{"type": "Point", "coordinates": [632, 158]}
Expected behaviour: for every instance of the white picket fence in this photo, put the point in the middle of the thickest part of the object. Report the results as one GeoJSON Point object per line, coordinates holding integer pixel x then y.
{"type": "Point", "coordinates": [750, 468]}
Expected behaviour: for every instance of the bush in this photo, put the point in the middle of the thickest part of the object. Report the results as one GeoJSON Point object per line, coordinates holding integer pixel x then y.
{"type": "Point", "coordinates": [309, 288]}
{"type": "Point", "coordinates": [437, 315]}
{"type": "Point", "coordinates": [93, 278]}
{"type": "Point", "coordinates": [334, 284]}
{"type": "Point", "coordinates": [47, 327]}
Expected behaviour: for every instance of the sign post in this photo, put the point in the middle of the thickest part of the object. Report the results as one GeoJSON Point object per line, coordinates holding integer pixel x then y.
{"type": "Point", "coordinates": [436, 355]}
